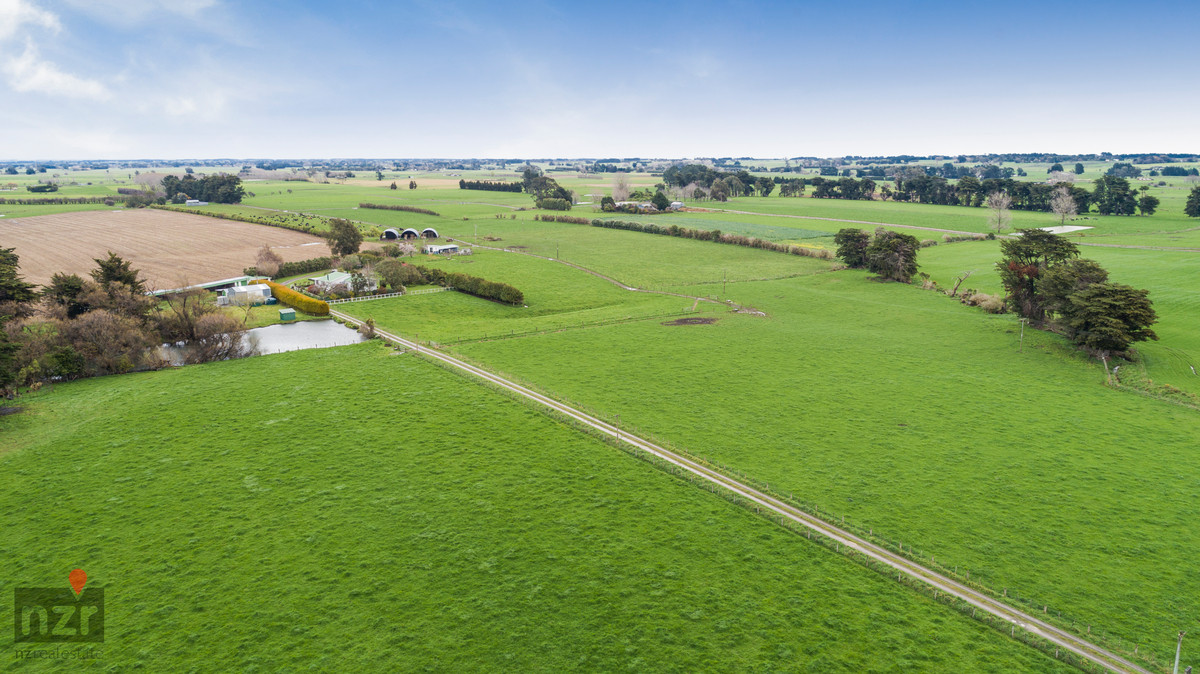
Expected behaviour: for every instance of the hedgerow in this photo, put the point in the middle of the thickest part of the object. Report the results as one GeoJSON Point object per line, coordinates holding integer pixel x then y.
{"type": "Point", "coordinates": [570, 219]}
{"type": "Point", "coordinates": [269, 221]}
{"type": "Point", "coordinates": [553, 204]}
{"type": "Point", "coordinates": [473, 285]}
{"type": "Point", "coordinates": [714, 235]}
{"type": "Point", "coordinates": [299, 267]}
{"type": "Point", "coordinates": [308, 305]}
{"type": "Point", "coordinates": [58, 201]}
{"type": "Point", "coordinates": [397, 207]}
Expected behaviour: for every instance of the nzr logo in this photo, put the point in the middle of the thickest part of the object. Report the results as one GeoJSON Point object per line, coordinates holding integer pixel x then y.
{"type": "Point", "coordinates": [51, 614]}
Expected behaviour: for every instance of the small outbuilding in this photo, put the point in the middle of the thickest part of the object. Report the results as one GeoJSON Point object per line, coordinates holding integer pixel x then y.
{"type": "Point", "coordinates": [429, 233]}
{"type": "Point", "coordinates": [195, 202]}
{"type": "Point", "coordinates": [255, 293]}
{"type": "Point", "coordinates": [410, 233]}
{"type": "Point", "coordinates": [288, 314]}
{"type": "Point", "coordinates": [448, 249]}
{"type": "Point", "coordinates": [390, 234]}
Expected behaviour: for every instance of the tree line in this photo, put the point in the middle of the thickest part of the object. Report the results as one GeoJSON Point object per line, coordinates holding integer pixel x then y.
{"type": "Point", "coordinates": [218, 188]}
{"type": "Point", "coordinates": [490, 185]}
{"type": "Point", "coordinates": [714, 235]}
{"type": "Point", "coordinates": [1045, 282]}
{"type": "Point", "coordinates": [103, 324]}
{"type": "Point", "coordinates": [1048, 284]}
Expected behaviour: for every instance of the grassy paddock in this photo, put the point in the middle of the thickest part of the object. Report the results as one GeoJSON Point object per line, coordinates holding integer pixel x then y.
{"type": "Point", "coordinates": [923, 422]}
{"type": "Point", "coordinates": [419, 503]}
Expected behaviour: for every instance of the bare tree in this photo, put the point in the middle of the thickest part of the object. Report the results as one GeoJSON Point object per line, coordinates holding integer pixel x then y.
{"type": "Point", "coordinates": [999, 202]}
{"type": "Point", "coordinates": [1063, 204]}
{"type": "Point", "coordinates": [267, 261]}
{"type": "Point", "coordinates": [620, 190]}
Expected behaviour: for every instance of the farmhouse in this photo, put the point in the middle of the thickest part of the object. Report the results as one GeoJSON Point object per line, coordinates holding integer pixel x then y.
{"type": "Point", "coordinates": [337, 278]}
{"type": "Point", "coordinates": [438, 250]}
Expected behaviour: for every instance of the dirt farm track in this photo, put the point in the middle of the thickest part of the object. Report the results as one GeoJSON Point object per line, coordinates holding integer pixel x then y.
{"type": "Point", "coordinates": [171, 249]}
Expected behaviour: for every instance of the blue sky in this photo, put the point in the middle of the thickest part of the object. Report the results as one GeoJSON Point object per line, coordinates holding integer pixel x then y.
{"type": "Point", "coordinates": [219, 78]}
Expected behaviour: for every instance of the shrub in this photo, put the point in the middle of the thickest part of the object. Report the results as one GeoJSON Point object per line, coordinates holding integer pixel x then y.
{"type": "Point", "coordinates": [297, 300]}
{"type": "Point", "coordinates": [552, 204]}
{"type": "Point", "coordinates": [989, 303]}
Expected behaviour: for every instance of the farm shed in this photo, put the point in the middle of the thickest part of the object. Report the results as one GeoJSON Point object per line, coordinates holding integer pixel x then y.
{"type": "Point", "coordinates": [390, 234]}
{"type": "Point", "coordinates": [195, 202]}
{"type": "Point", "coordinates": [429, 233]}
{"type": "Point", "coordinates": [257, 293]}
{"type": "Point", "coordinates": [438, 250]}
{"type": "Point", "coordinates": [410, 233]}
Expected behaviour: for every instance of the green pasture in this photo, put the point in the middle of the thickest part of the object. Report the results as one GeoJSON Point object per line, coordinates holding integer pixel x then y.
{"type": "Point", "coordinates": [1170, 276]}
{"type": "Point", "coordinates": [269, 514]}
{"type": "Point", "coordinates": [919, 418]}
{"type": "Point", "coordinates": [556, 297]}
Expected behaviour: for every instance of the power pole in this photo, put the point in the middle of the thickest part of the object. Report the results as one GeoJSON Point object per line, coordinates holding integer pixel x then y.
{"type": "Point", "coordinates": [1022, 335]}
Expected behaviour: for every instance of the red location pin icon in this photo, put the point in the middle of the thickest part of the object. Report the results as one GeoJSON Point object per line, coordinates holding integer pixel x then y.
{"type": "Point", "coordinates": [78, 578]}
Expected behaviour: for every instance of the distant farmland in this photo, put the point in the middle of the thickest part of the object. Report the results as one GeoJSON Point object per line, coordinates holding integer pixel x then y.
{"type": "Point", "coordinates": [170, 248]}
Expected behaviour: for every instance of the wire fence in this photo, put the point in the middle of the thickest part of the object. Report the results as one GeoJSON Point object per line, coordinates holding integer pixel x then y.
{"type": "Point", "coordinates": [422, 291]}
{"type": "Point", "coordinates": [1084, 629]}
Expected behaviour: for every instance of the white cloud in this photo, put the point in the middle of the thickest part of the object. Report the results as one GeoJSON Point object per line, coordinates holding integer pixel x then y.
{"type": "Point", "coordinates": [117, 11]}
{"type": "Point", "coordinates": [14, 14]}
{"type": "Point", "coordinates": [28, 72]}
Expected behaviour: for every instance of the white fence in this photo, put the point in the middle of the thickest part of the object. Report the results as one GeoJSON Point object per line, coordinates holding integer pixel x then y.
{"type": "Point", "coordinates": [422, 291]}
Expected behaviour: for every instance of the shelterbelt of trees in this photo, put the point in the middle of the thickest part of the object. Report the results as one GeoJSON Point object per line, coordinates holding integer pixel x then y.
{"type": "Point", "coordinates": [1111, 194]}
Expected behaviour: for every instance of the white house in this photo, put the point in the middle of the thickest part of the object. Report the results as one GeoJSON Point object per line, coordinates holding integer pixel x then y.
{"type": "Point", "coordinates": [448, 249]}
{"type": "Point", "coordinates": [195, 202]}
{"type": "Point", "coordinates": [256, 293]}
{"type": "Point", "coordinates": [338, 278]}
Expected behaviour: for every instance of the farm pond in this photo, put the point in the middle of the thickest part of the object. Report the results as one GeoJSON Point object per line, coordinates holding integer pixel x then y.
{"type": "Point", "coordinates": [285, 337]}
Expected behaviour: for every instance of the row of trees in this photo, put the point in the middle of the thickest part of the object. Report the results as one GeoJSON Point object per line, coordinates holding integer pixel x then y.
{"type": "Point", "coordinates": [104, 324]}
{"type": "Point", "coordinates": [1050, 285]}
{"type": "Point", "coordinates": [891, 256]}
{"type": "Point", "coordinates": [219, 188]}
{"type": "Point", "coordinates": [1111, 195]}
{"type": "Point", "coordinates": [491, 185]}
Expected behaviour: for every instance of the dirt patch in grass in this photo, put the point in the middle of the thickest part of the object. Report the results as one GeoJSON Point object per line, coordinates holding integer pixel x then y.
{"type": "Point", "coordinates": [516, 247]}
{"type": "Point", "coordinates": [5, 411]}
{"type": "Point", "coordinates": [692, 321]}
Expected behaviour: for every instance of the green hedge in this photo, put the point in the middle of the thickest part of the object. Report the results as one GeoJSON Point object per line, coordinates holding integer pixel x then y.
{"type": "Point", "coordinates": [397, 207]}
{"type": "Point", "coordinates": [714, 235]}
{"type": "Point", "coordinates": [299, 267]}
{"type": "Point", "coordinates": [552, 204]}
{"type": "Point", "coordinates": [473, 285]}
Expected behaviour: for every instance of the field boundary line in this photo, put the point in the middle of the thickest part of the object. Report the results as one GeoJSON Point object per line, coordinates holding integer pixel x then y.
{"type": "Point", "coordinates": [902, 565]}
